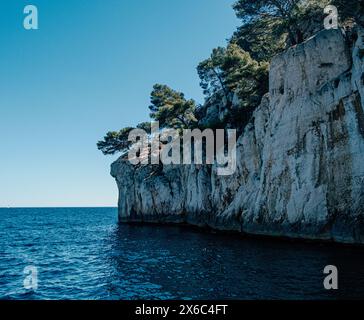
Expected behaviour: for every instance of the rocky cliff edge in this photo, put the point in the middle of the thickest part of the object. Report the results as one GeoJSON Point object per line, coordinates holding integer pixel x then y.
{"type": "Point", "coordinates": [300, 161]}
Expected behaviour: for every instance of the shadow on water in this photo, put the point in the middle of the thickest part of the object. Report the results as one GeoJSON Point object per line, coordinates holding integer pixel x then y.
{"type": "Point", "coordinates": [171, 262]}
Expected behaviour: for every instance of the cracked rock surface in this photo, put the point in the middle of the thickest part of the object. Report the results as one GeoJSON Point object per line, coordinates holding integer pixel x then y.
{"type": "Point", "coordinates": [300, 161]}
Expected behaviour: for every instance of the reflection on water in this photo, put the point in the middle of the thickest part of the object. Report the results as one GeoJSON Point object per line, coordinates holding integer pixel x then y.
{"type": "Point", "coordinates": [84, 254]}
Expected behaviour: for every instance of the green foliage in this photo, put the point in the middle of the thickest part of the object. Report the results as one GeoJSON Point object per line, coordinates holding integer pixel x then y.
{"type": "Point", "coordinates": [146, 126]}
{"type": "Point", "coordinates": [232, 70]}
{"type": "Point", "coordinates": [252, 11]}
{"type": "Point", "coordinates": [262, 45]}
{"type": "Point", "coordinates": [245, 76]}
{"type": "Point", "coordinates": [171, 108]}
{"type": "Point", "coordinates": [270, 25]}
{"type": "Point", "coordinates": [115, 142]}
{"type": "Point", "coordinates": [350, 9]}
{"type": "Point", "coordinates": [211, 74]}
{"type": "Point", "coordinates": [283, 13]}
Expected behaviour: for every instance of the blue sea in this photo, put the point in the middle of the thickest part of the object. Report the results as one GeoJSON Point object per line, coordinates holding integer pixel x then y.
{"type": "Point", "coordinates": [82, 253]}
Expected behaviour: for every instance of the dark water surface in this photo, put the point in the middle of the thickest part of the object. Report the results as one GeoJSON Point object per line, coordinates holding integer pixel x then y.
{"type": "Point", "coordinates": [82, 253]}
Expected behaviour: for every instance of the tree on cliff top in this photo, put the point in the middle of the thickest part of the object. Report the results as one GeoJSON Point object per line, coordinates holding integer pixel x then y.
{"type": "Point", "coordinates": [284, 12]}
{"type": "Point", "coordinates": [242, 68]}
{"type": "Point", "coordinates": [350, 9]}
{"type": "Point", "coordinates": [260, 43]}
{"type": "Point", "coordinates": [211, 74]}
{"type": "Point", "coordinates": [245, 76]}
{"type": "Point", "coordinates": [115, 142]}
{"type": "Point", "coordinates": [146, 126]}
{"type": "Point", "coordinates": [271, 25]}
{"type": "Point", "coordinates": [171, 108]}
{"type": "Point", "coordinates": [168, 106]}
{"type": "Point", "coordinates": [232, 70]}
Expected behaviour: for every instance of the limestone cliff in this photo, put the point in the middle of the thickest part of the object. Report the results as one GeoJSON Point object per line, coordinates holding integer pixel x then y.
{"type": "Point", "coordinates": [300, 170]}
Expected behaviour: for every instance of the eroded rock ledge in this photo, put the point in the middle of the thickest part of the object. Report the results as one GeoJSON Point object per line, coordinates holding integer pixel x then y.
{"type": "Point", "coordinates": [300, 170]}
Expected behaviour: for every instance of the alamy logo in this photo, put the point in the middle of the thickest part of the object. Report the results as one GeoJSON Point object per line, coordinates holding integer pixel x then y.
{"type": "Point", "coordinates": [31, 278]}
{"type": "Point", "coordinates": [164, 146]}
{"type": "Point", "coordinates": [332, 20]}
{"type": "Point", "coordinates": [331, 281]}
{"type": "Point", "coordinates": [31, 19]}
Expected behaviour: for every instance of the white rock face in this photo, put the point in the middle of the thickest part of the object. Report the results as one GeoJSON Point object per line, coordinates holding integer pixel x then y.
{"type": "Point", "coordinates": [300, 170]}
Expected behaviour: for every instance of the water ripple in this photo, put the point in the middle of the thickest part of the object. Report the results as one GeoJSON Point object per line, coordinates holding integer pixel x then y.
{"type": "Point", "coordinates": [84, 254]}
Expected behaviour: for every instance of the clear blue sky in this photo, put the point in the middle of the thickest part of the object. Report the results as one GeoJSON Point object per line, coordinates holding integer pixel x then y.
{"type": "Point", "coordinates": [87, 70]}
